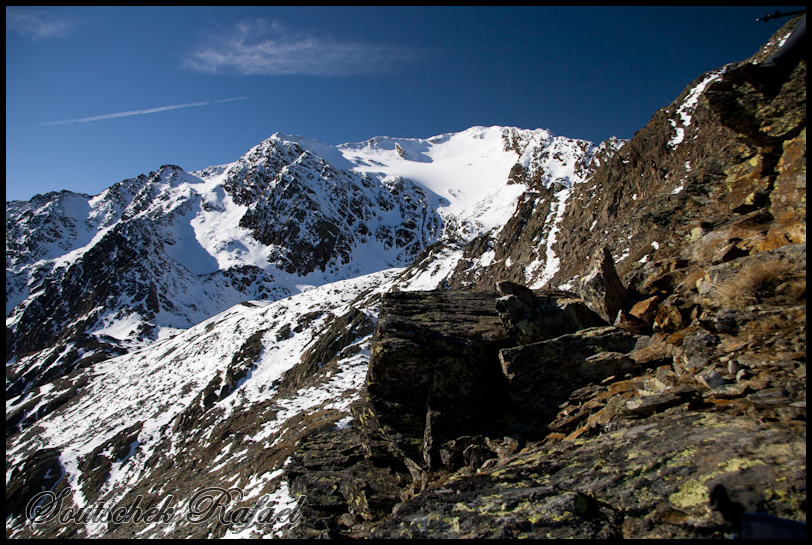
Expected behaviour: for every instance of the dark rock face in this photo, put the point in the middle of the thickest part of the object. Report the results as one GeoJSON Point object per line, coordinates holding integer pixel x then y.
{"type": "Point", "coordinates": [341, 332]}
{"type": "Point", "coordinates": [544, 314]}
{"type": "Point", "coordinates": [343, 481]}
{"type": "Point", "coordinates": [542, 375]}
{"type": "Point", "coordinates": [444, 345]}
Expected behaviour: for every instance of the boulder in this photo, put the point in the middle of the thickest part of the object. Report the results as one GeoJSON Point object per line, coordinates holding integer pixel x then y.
{"type": "Point", "coordinates": [542, 375]}
{"type": "Point", "coordinates": [530, 316]}
{"type": "Point", "coordinates": [601, 288]}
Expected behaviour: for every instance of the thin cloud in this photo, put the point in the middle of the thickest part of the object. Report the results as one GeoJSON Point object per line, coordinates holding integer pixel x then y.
{"type": "Point", "coordinates": [263, 48]}
{"type": "Point", "coordinates": [37, 23]}
{"type": "Point", "coordinates": [141, 112]}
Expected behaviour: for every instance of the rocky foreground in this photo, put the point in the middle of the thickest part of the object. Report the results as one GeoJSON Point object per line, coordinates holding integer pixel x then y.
{"type": "Point", "coordinates": [614, 409]}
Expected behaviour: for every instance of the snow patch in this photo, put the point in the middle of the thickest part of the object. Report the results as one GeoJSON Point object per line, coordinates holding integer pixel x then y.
{"type": "Point", "coordinates": [686, 109]}
{"type": "Point", "coordinates": [557, 211]}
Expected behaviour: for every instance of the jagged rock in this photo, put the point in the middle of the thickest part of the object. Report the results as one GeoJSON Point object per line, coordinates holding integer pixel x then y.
{"type": "Point", "coordinates": [646, 309]}
{"type": "Point", "coordinates": [340, 333]}
{"type": "Point", "coordinates": [788, 197]}
{"type": "Point", "coordinates": [669, 318]}
{"type": "Point", "coordinates": [523, 293]}
{"type": "Point", "coordinates": [658, 351]}
{"type": "Point", "coordinates": [698, 349]}
{"type": "Point", "coordinates": [660, 276]}
{"type": "Point", "coordinates": [631, 323]}
{"type": "Point", "coordinates": [505, 447]}
{"type": "Point", "coordinates": [760, 118]}
{"type": "Point", "coordinates": [337, 475]}
{"type": "Point", "coordinates": [640, 432]}
{"type": "Point", "coordinates": [601, 288]}
{"type": "Point", "coordinates": [643, 406]}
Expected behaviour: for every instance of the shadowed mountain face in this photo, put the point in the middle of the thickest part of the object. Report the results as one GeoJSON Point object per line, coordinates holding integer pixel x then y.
{"type": "Point", "coordinates": [493, 333]}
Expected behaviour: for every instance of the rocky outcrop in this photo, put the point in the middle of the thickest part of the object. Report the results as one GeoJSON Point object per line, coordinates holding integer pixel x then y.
{"type": "Point", "coordinates": [597, 433]}
{"type": "Point", "coordinates": [444, 345]}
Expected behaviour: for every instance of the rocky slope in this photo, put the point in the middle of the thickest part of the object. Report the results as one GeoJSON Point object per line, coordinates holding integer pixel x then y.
{"type": "Point", "coordinates": [616, 331]}
{"type": "Point", "coordinates": [623, 430]}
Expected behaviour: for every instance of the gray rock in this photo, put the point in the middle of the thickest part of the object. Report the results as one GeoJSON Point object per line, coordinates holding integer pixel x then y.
{"type": "Point", "coordinates": [710, 378]}
{"type": "Point", "coordinates": [601, 288]}
{"type": "Point", "coordinates": [544, 374]}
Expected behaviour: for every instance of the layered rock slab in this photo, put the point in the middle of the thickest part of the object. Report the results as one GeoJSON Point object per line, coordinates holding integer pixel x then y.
{"type": "Point", "coordinates": [542, 375]}
{"type": "Point", "coordinates": [535, 315]}
{"type": "Point", "coordinates": [434, 371]}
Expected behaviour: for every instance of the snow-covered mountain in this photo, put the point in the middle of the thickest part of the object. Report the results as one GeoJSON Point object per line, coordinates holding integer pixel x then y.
{"type": "Point", "coordinates": [90, 277]}
{"type": "Point", "coordinates": [138, 285]}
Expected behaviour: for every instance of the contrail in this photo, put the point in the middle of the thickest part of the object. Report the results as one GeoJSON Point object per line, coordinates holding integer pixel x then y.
{"type": "Point", "coordinates": [141, 112]}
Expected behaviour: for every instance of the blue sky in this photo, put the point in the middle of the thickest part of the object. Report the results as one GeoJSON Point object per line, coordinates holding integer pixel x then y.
{"type": "Point", "coordinates": [96, 95]}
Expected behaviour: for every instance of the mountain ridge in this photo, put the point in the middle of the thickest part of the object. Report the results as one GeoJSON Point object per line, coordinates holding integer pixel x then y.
{"type": "Point", "coordinates": [279, 217]}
